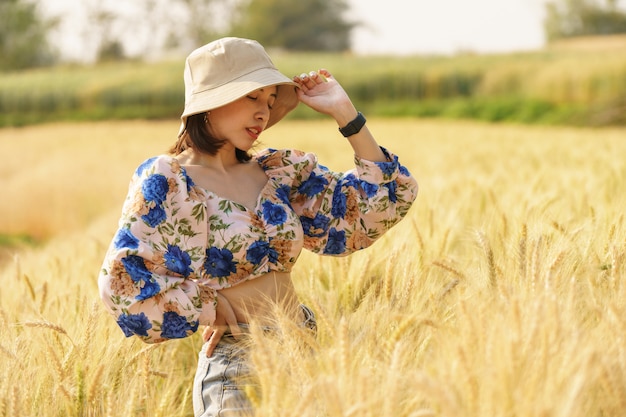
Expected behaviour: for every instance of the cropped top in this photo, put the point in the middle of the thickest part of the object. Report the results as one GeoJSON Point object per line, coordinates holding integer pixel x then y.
{"type": "Point", "coordinates": [177, 244]}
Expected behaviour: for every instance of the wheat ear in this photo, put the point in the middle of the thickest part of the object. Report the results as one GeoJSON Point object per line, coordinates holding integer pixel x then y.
{"type": "Point", "coordinates": [491, 265]}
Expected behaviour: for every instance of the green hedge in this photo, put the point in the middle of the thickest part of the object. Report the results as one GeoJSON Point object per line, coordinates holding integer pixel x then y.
{"type": "Point", "coordinates": [564, 84]}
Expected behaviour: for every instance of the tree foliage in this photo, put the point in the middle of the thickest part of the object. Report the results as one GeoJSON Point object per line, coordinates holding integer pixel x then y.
{"type": "Point", "coordinates": [303, 25]}
{"type": "Point", "coordinates": [570, 18]}
{"type": "Point", "coordinates": [23, 36]}
{"type": "Point", "coordinates": [111, 32]}
{"type": "Point", "coordinates": [202, 23]}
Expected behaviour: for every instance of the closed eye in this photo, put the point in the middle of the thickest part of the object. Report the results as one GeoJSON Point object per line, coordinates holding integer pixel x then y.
{"type": "Point", "coordinates": [270, 106]}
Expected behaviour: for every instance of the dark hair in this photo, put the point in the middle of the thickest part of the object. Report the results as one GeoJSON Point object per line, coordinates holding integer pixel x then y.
{"type": "Point", "coordinates": [197, 136]}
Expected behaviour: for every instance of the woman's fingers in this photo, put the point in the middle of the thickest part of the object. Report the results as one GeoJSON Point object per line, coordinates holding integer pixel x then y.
{"type": "Point", "coordinates": [214, 339]}
{"type": "Point", "coordinates": [225, 315]}
{"type": "Point", "coordinates": [206, 333]}
{"type": "Point", "coordinates": [313, 78]}
{"type": "Point", "coordinates": [325, 72]}
{"type": "Point", "coordinates": [225, 318]}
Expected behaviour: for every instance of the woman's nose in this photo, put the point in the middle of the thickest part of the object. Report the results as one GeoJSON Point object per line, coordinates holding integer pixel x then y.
{"type": "Point", "coordinates": [263, 113]}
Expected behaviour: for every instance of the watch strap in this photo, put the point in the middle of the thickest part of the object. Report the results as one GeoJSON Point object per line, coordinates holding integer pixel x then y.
{"type": "Point", "coordinates": [354, 126]}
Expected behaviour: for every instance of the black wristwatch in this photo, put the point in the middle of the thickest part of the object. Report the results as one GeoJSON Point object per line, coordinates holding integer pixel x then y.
{"type": "Point", "coordinates": [354, 126]}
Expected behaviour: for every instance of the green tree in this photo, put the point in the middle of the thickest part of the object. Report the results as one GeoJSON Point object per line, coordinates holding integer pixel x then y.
{"type": "Point", "coordinates": [303, 25]}
{"type": "Point", "coordinates": [570, 18]}
{"type": "Point", "coordinates": [200, 23]}
{"type": "Point", "coordinates": [204, 21]}
{"type": "Point", "coordinates": [23, 36]}
{"type": "Point", "coordinates": [101, 23]}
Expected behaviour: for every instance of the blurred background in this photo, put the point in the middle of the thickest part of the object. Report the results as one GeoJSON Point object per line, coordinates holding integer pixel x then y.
{"type": "Point", "coordinates": [526, 61]}
{"type": "Point", "coordinates": [505, 282]}
{"type": "Point", "coordinates": [152, 28]}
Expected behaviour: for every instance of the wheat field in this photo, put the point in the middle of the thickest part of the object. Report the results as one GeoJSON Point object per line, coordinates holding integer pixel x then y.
{"type": "Point", "coordinates": [500, 294]}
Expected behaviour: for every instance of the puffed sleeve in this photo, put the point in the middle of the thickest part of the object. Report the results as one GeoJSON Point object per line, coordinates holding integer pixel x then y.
{"type": "Point", "coordinates": [151, 279]}
{"type": "Point", "coordinates": [344, 212]}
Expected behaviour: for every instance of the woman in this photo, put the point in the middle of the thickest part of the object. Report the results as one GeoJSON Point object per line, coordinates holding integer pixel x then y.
{"type": "Point", "coordinates": [209, 233]}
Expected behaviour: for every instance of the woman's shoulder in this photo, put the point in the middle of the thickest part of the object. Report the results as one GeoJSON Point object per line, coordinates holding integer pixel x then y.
{"type": "Point", "coordinates": [277, 159]}
{"type": "Point", "coordinates": [166, 172]}
{"type": "Point", "coordinates": [160, 164]}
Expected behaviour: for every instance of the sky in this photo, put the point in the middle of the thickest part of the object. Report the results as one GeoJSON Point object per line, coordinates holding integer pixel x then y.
{"type": "Point", "coordinates": [400, 27]}
{"type": "Point", "coordinates": [448, 26]}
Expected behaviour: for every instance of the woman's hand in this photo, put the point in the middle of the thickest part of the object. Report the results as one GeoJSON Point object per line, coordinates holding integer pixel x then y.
{"type": "Point", "coordinates": [320, 91]}
{"type": "Point", "coordinates": [224, 318]}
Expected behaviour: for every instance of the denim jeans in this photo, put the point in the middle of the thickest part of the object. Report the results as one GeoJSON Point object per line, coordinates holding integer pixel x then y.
{"type": "Point", "coordinates": [220, 381]}
{"type": "Point", "coordinates": [219, 384]}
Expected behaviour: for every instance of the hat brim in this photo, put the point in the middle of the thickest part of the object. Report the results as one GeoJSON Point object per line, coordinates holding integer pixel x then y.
{"type": "Point", "coordinates": [209, 99]}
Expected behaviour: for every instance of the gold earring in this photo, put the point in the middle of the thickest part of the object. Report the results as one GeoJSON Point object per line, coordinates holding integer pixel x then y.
{"type": "Point", "coordinates": [205, 117]}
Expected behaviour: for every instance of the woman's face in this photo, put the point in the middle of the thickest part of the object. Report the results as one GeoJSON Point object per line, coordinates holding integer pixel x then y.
{"type": "Point", "coordinates": [241, 122]}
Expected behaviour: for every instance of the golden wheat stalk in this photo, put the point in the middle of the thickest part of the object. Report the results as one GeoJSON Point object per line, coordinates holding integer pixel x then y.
{"type": "Point", "coordinates": [536, 263]}
{"type": "Point", "coordinates": [95, 387]}
{"type": "Point", "coordinates": [89, 331]}
{"type": "Point", "coordinates": [110, 404]}
{"type": "Point", "coordinates": [343, 338]}
{"type": "Point", "coordinates": [29, 286]}
{"type": "Point", "coordinates": [15, 408]}
{"type": "Point", "coordinates": [556, 263]}
{"type": "Point", "coordinates": [46, 325]}
{"type": "Point", "coordinates": [407, 289]}
{"type": "Point", "coordinates": [389, 276]}
{"type": "Point", "coordinates": [522, 250]}
{"type": "Point", "coordinates": [44, 297]}
{"type": "Point", "coordinates": [491, 265]}
{"type": "Point", "coordinates": [7, 352]}
{"type": "Point", "coordinates": [56, 362]}
{"type": "Point", "coordinates": [450, 269]}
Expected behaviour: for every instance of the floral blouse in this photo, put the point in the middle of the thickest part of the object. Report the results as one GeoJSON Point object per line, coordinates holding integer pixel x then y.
{"type": "Point", "coordinates": [177, 244]}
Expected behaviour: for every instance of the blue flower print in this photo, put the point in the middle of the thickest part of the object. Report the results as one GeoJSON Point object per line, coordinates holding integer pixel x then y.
{"type": "Point", "coordinates": [134, 324]}
{"type": "Point", "coordinates": [177, 260]}
{"type": "Point", "coordinates": [314, 185]}
{"type": "Point", "coordinates": [369, 188]}
{"type": "Point", "coordinates": [125, 239]}
{"type": "Point", "coordinates": [282, 193]}
{"type": "Point", "coordinates": [155, 216]}
{"type": "Point", "coordinates": [351, 180]}
{"type": "Point", "coordinates": [338, 209]}
{"type": "Point", "coordinates": [136, 268]}
{"type": "Point", "coordinates": [336, 242]}
{"type": "Point", "coordinates": [259, 250]}
{"type": "Point", "coordinates": [404, 171]}
{"type": "Point", "coordinates": [219, 262]}
{"type": "Point", "coordinates": [388, 168]}
{"type": "Point", "coordinates": [316, 227]}
{"type": "Point", "coordinates": [138, 272]}
{"type": "Point", "coordinates": [175, 326]}
{"type": "Point", "coordinates": [273, 213]}
{"type": "Point", "coordinates": [391, 186]}
{"type": "Point", "coordinates": [263, 158]}
{"type": "Point", "coordinates": [155, 188]}
{"type": "Point", "coordinates": [188, 181]}
{"type": "Point", "coordinates": [149, 289]}
{"type": "Point", "coordinates": [145, 164]}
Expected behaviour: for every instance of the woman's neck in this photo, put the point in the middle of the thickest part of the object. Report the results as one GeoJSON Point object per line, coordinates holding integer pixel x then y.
{"type": "Point", "coordinates": [223, 160]}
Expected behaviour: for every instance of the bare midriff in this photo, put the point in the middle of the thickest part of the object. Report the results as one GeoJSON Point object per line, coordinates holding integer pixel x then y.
{"type": "Point", "coordinates": [256, 300]}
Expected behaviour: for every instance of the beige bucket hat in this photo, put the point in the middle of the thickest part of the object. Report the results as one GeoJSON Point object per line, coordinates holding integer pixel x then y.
{"type": "Point", "coordinates": [227, 69]}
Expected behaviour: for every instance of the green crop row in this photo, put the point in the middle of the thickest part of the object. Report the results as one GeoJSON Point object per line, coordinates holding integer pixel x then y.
{"type": "Point", "coordinates": [572, 83]}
